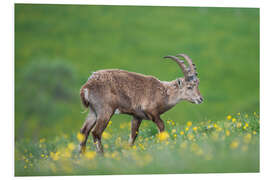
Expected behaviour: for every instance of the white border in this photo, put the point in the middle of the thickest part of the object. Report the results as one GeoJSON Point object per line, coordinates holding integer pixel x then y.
{"type": "Point", "coordinates": [7, 83]}
{"type": "Point", "coordinates": [201, 3]}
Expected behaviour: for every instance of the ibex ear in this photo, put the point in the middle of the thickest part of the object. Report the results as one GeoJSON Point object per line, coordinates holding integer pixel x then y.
{"type": "Point", "coordinates": [179, 83]}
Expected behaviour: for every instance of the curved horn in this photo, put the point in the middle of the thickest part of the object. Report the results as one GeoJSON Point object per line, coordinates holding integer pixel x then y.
{"type": "Point", "coordinates": [180, 63]}
{"type": "Point", "coordinates": [190, 63]}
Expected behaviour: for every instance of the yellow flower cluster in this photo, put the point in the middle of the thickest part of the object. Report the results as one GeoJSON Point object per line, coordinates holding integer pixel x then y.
{"type": "Point", "coordinates": [163, 136]}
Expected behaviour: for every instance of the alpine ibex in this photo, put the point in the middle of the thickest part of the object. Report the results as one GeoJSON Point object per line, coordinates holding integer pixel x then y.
{"type": "Point", "coordinates": [144, 97]}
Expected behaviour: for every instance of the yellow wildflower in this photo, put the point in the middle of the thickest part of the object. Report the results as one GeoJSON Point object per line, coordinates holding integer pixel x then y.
{"type": "Point", "coordinates": [229, 117]}
{"type": "Point", "coordinates": [219, 129]}
{"type": "Point", "coordinates": [90, 155]}
{"type": "Point", "coordinates": [246, 115]}
{"type": "Point", "coordinates": [110, 123]}
{"type": "Point", "coordinates": [115, 155]}
{"type": "Point", "coordinates": [30, 155]}
{"type": "Point", "coordinates": [190, 136]}
{"type": "Point", "coordinates": [234, 144]}
{"type": "Point", "coordinates": [66, 154]}
{"type": "Point", "coordinates": [173, 123]}
{"type": "Point", "coordinates": [118, 141]}
{"type": "Point", "coordinates": [238, 125]}
{"type": "Point", "coordinates": [80, 137]}
{"type": "Point", "coordinates": [106, 135]}
{"type": "Point", "coordinates": [24, 166]}
{"type": "Point", "coordinates": [186, 129]}
{"type": "Point", "coordinates": [247, 138]}
{"type": "Point", "coordinates": [174, 131]}
{"type": "Point", "coordinates": [175, 135]}
{"type": "Point", "coordinates": [246, 124]}
{"type": "Point", "coordinates": [254, 132]}
{"type": "Point", "coordinates": [163, 136]}
{"type": "Point", "coordinates": [189, 123]}
{"type": "Point", "coordinates": [122, 126]}
{"type": "Point", "coordinates": [142, 146]}
{"type": "Point", "coordinates": [239, 114]}
{"type": "Point", "coordinates": [228, 132]}
{"type": "Point", "coordinates": [195, 128]}
{"type": "Point", "coordinates": [42, 140]}
{"type": "Point", "coordinates": [42, 155]}
{"type": "Point", "coordinates": [215, 125]}
{"type": "Point", "coordinates": [233, 120]}
{"type": "Point", "coordinates": [182, 133]}
{"type": "Point", "coordinates": [54, 156]}
{"type": "Point", "coordinates": [71, 146]}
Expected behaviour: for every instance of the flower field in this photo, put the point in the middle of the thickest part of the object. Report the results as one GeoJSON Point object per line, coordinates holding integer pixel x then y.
{"type": "Point", "coordinates": [230, 144]}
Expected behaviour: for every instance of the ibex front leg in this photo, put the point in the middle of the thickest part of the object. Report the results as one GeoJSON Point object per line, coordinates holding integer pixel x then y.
{"type": "Point", "coordinates": [135, 124]}
{"type": "Point", "coordinates": [160, 124]}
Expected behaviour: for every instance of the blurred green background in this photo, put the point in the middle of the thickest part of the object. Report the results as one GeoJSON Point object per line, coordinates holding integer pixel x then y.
{"type": "Point", "coordinates": [58, 46]}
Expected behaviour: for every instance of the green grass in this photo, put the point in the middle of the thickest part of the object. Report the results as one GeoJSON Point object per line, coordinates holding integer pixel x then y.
{"type": "Point", "coordinates": [230, 145]}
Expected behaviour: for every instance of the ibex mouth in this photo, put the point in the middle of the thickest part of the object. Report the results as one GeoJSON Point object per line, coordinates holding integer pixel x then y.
{"type": "Point", "coordinates": [198, 101]}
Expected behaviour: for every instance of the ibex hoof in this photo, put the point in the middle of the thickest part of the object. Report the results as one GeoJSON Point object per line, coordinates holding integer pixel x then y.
{"type": "Point", "coordinates": [82, 149]}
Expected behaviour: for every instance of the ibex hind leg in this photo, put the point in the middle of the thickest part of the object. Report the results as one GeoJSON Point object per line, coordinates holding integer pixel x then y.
{"type": "Point", "coordinates": [103, 119]}
{"type": "Point", "coordinates": [86, 128]}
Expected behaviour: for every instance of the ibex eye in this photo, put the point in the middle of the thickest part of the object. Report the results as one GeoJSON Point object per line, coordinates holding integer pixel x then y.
{"type": "Point", "coordinates": [179, 82]}
{"type": "Point", "coordinates": [189, 87]}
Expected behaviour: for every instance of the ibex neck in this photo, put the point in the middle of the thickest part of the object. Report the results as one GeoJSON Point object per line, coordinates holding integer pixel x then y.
{"type": "Point", "coordinates": [173, 92]}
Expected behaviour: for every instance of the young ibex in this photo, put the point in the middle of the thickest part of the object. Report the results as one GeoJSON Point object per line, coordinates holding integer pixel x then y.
{"type": "Point", "coordinates": [144, 97]}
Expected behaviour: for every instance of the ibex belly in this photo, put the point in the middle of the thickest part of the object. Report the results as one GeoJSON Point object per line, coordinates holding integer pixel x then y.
{"type": "Point", "coordinates": [138, 112]}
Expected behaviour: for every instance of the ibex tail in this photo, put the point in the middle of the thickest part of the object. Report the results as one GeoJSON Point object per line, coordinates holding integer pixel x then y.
{"type": "Point", "coordinates": [85, 97]}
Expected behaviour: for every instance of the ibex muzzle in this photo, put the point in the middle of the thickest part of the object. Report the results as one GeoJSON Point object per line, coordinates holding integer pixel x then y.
{"type": "Point", "coordinates": [144, 97]}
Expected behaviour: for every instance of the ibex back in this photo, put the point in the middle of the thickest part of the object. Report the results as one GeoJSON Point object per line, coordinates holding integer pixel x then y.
{"type": "Point", "coordinates": [112, 91]}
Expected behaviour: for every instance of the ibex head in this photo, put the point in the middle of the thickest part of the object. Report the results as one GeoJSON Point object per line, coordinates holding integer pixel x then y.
{"type": "Point", "coordinates": [188, 86]}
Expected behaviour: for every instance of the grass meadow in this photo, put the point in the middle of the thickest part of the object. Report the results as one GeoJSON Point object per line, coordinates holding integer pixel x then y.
{"type": "Point", "coordinates": [228, 145]}
{"type": "Point", "coordinates": [57, 47]}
